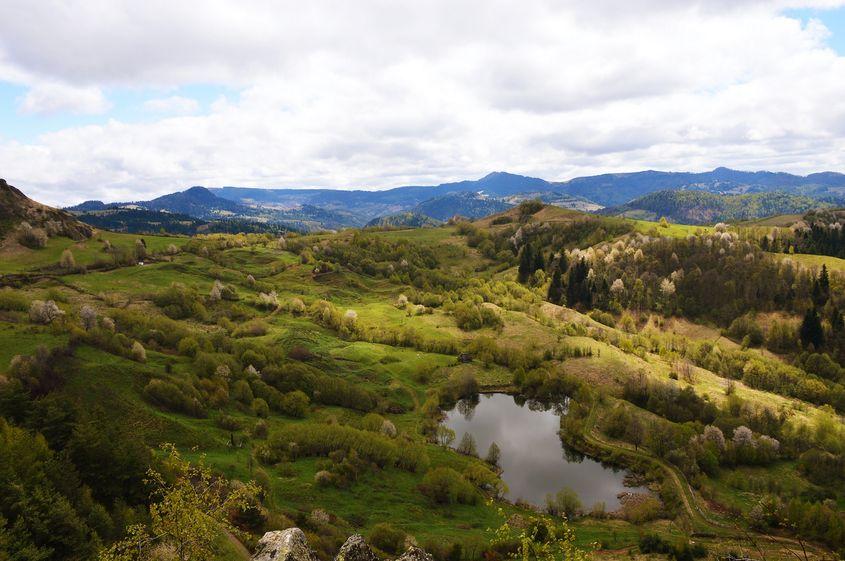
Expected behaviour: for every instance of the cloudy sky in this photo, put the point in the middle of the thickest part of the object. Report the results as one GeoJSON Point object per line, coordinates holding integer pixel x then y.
{"type": "Point", "coordinates": [123, 100]}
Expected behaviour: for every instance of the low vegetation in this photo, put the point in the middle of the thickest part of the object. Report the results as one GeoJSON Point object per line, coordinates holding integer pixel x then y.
{"type": "Point", "coordinates": [304, 380]}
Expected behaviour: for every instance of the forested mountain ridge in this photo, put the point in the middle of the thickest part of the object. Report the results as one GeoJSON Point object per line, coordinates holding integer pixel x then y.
{"type": "Point", "coordinates": [322, 366]}
{"type": "Point", "coordinates": [620, 188]}
{"type": "Point", "coordinates": [313, 209]}
{"type": "Point", "coordinates": [404, 220]}
{"type": "Point", "coordinates": [701, 207]}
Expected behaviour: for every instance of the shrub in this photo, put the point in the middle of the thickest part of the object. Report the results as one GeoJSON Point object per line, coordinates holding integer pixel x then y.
{"type": "Point", "coordinates": [242, 392]}
{"type": "Point", "coordinates": [268, 301]}
{"type": "Point", "coordinates": [88, 317]}
{"type": "Point", "coordinates": [299, 352]}
{"type": "Point", "coordinates": [321, 440]}
{"type": "Point", "coordinates": [372, 422]}
{"type": "Point", "coordinates": [295, 404]}
{"type": "Point", "coordinates": [444, 485]}
{"type": "Point", "coordinates": [388, 429]}
{"type": "Point", "coordinates": [782, 337]}
{"type": "Point", "coordinates": [459, 385]}
{"type": "Point", "coordinates": [13, 300]}
{"type": "Point", "coordinates": [170, 396]}
{"type": "Point", "coordinates": [229, 423]}
{"type": "Point", "coordinates": [296, 306]}
{"type": "Point", "coordinates": [485, 479]}
{"type": "Point", "coordinates": [260, 429]}
{"type": "Point", "coordinates": [66, 261]}
{"type": "Point", "coordinates": [641, 511]}
{"type": "Point", "coordinates": [564, 503]}
{"type": "Point", "coordinates": [324, 478]}
{"type": "Point", "coordinates": [745, 328]}
{"type": "Point", "coordinates": [387, 538]}
{"type": "Point", "coordinates": [335, 391]}
{"type": "Point", "coordinates": [44, 312]}
{"type": "Point", "coordinates": [252, 328]}
{"type": "Point", "coordinates": [139, 354]}
{"type": "Point", "coordinates": [603, 318]}
{"type": "Point", "coordinates": [33, 238]}
{"type": "Point", "coordinates": [260, 408]}
{"type": "Point", "coordinates": [180, 302]}
{"type": "Point", "coordinates": [188, 346]}
{"type": "Point", "coordinates": [472, 316]}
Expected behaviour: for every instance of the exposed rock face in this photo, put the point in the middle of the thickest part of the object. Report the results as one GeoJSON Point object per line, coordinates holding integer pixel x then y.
{"type": "Point", "coordinates": [15, 207]}
{"type": "Point", "coordinates": [284, 545]}
{"type": "Point", "coordinates": [415, 553]}
{"type": "Point", "coordinates": [355, 549]}
{"type": "Point", "coordinates": [291, 545]}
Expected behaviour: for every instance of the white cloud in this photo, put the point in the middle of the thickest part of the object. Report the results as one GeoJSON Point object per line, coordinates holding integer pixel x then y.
{"type": "Point", "coordinates": [47, 98]}
{"type": "Point", "coordinates": [174, 105]}
{"type": "Point", "coordinates": [378, 94]}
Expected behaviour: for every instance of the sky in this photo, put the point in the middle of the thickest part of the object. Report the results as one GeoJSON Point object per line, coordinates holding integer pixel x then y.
{"type": "Point", "coordinates": [125, 100]}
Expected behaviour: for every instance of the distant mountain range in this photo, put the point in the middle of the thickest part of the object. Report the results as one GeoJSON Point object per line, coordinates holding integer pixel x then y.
{"type": "Point", "coordinates": [620, 188]}
{"type": "Point", "coordinates": [314, 209]}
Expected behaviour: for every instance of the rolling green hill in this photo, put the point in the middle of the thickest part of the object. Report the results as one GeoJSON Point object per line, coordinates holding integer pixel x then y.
{"type": "Point", "coordinates": [320, 366]}
{"type": "Point", "coordinates": [699, 207]}
{"type": "Point", "coordinates": [404, 220]}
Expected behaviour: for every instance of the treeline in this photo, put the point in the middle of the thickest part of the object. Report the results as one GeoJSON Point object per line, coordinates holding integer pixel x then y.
{"type": "Point", "coordinates": [542, 240]}
{"type": "Point", "coordinates": [701, 207]}
{"type": "Point", "coordinates": [819, 232]}
{"type": "Point", "coordinates": [71, 478]}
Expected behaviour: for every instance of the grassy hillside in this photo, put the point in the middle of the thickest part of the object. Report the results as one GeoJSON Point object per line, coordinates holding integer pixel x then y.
{"type": "Point", "coordinates": [318, 366]}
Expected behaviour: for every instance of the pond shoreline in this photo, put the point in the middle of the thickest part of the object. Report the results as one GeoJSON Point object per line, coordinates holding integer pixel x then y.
{"type": "Point", "coordinates": [536, 462]}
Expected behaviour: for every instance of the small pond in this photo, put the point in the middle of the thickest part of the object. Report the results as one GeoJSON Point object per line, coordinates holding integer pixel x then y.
{"type": "Point", "coordinates": [533, 459]}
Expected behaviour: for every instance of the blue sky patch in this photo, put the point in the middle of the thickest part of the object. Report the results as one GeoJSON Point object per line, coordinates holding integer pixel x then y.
{"type": "Point", "coordinates": [127, 105]}
{"type": "Point", "coordinates": [833, 19]}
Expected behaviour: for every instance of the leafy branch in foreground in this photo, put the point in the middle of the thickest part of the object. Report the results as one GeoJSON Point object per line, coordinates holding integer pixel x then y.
{"type": "Point", "coordinates": [190, 508]}
{"type": "Point", "coordinates": [542, 539]}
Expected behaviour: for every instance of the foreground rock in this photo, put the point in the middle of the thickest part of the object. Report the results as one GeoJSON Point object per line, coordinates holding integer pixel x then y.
{"type": "Point", "coordinates": [284, 545]}
{"type": "Point", "coordinates": [355, 549]}
{"type": "Point", "coordinates": [291, 545]}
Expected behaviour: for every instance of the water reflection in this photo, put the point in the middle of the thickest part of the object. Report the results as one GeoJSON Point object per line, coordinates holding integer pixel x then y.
{"type": "Point", "coordinates": [534, 460]}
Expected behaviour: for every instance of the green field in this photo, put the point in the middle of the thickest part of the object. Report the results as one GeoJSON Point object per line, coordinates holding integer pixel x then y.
{"type": "Point", "coordinates": [327, 316]}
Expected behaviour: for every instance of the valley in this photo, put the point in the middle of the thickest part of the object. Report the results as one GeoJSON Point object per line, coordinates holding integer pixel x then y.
{"type": "Point", "coordinates": [666, 388]}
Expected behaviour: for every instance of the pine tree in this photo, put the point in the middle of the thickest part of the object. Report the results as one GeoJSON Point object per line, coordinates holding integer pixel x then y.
{"type": "Point", "coordinates": [493, 454]}
{"type": "Point", "coordinates": [467, 445]}
{"type": "Point", "coordinates": [578, 287]}
{"type": "Point", "coordinates": [555, 294]}
{"type": "Point", "coordinates": [811, 329]}
{"type": "Point", "coordinates": [539, 262]}
{"type": "Point", "coordinates": [837, 323]}
{"type": "Point", "coordinates": [824, 284]}
{"type": "Point", "coordinates": [526, 261]}
{"type": "Point", "coordinates": [563, 263]}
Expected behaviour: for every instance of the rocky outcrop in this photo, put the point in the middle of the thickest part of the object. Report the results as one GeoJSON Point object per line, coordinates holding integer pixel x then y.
{"type": "Point", "coordinates": [284, 545]}
{"type": "Point", "coordinates": [415, 553]}
{"type": "Point", "coordinates": [291, 545]}
{"type": "Point", "coordinates": [16, 208]}
{"type": "Point", "coordinates": [355, 549]}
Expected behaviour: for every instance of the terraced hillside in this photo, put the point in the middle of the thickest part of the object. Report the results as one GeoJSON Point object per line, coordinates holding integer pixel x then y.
{"type": "Point", "coordinates": [319, 366]}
